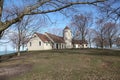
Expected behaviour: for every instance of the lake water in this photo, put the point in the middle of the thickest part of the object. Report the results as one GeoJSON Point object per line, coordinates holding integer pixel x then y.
{"type": "Point", "coordinates": [6, 52]}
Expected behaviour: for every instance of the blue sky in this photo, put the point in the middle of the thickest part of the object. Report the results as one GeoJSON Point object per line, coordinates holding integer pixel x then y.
{"type": "Point", "coordinates": [60, 21]}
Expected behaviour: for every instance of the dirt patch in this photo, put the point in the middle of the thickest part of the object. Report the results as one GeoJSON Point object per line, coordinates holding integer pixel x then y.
{"type": "Point", "coordinates": [6, 72]}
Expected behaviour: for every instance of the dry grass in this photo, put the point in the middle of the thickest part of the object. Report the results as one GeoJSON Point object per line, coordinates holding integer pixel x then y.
{"type": "Point", "coordinates": [84, 64]}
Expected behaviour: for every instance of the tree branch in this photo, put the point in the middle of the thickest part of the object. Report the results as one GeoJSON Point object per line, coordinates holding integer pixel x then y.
{"type": "Point", "coordinates": [27, 10]}
{"type": "Point", "coordinates": [30, 10]}
{"type": "Point", "coordinates": [65, 6]}
{"type": "Point", "coordinates": [1, 7]}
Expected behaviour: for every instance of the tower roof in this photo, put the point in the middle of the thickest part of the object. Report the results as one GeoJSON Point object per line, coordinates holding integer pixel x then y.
{"type": "Point", "coordinates": [66, 27]}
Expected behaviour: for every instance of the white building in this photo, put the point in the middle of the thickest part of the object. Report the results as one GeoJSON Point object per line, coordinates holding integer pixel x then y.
{"type": "Point", "coordinates": [49, 41]}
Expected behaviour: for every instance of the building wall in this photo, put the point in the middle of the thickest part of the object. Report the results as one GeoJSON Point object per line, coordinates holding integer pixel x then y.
{"type": "Point", "coordinates": [35, 44]}
{"type": "Point", "coordinates": [76, 45]}
{"type": "Point", "coordinates": [85, 45]}
{"type": "Point", "coordinates": [59, 46]}
{"type": "Point", "coordinates": [47, 46]}
{"type": "Point", "coordinates": [68, 38]}
{"type": "Point", "coordinates": [62, 45]}
{"type": "Point", "coordinates": [80, 46]}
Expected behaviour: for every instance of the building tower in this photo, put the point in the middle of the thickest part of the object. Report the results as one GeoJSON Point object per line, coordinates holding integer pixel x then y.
{"type": "Point", "coordinates": [67, 35]}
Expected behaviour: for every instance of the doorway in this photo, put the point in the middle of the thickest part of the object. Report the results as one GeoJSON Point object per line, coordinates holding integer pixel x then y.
{"type": "Point", "coordinates": [56, 46]}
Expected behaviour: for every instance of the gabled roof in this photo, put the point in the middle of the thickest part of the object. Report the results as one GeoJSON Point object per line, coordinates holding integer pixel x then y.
{"type": "Point", "coordinates": [79, 41]}
{"type": "Point", "coordinates": [43, 37]}
{"type": "Point", "coordinates": [56, 39]}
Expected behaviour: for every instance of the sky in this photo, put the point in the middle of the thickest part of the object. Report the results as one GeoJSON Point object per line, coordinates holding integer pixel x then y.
{"type": "Point", "coordinates": [58, 19]}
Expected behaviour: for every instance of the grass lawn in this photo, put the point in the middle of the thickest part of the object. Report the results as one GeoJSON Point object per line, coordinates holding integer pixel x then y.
{"type": "Point", "coordinates": [74, 64]}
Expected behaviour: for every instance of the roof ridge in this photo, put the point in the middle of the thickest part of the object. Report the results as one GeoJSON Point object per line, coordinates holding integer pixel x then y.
{"type": "Point", "coordinates": [53, 34]}
{"type": "Point", "coordinates": [38, 33]}
{"type": "Point", "coordinates": [55, 38]}
{"type": "Point", "coordinates": [43, 37]}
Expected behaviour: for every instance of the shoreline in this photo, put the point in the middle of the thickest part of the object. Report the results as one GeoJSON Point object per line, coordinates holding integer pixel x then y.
{"type": "Point", "coordinates": [8, 52]}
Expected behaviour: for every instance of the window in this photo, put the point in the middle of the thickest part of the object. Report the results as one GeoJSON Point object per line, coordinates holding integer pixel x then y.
{"type": "Point", "coordinates": [62, 46]}
{"type": "Point", "coordinates": [39, 43]}
{"type": "Point", "coordinates": [30, 44]}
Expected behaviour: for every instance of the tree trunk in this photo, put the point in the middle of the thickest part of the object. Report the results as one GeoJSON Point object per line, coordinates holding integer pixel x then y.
{"type": "Point", "coordinates": [0, 58]}
{"type": "Point", "coordinates": [110, 43]}
{"type": "Point", "coordinates": [19, 40]}
{"type": "Point", "coordinates": [102, 44]}
{"type": "Point", "coordinates": [18, 52]}
{"type": "Point", "coordinates": [90, 43]}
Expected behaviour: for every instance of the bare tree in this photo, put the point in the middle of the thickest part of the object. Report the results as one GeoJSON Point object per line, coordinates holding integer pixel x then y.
{"type": "Point", "coordinates": [81, 23]}
{"type": "Point", "coordinates": [56, 31]}
{"type": "Point", "coordinates": [75, 31]}
{"type": "Point", "coordinates": [105, 33]}
{"type": "Point", "coordinates": [90, 36]}
{"type": "Point", "coordinates": [14, 40]}
{"type": "Point", "coordinates": [117, 42]}
{"type": "Point", "coordinates": [15, 14]}
{"type": "Point", "coordinates": [99, 33]}
{"type": "Point", "coordinates": [96, 40]}
{"type": "Point", "coordinates": [24, 29]}
{"type": "Point", "coordinates": [110, 32]}
{"type": "Point", "coordinates": [110, 9]}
